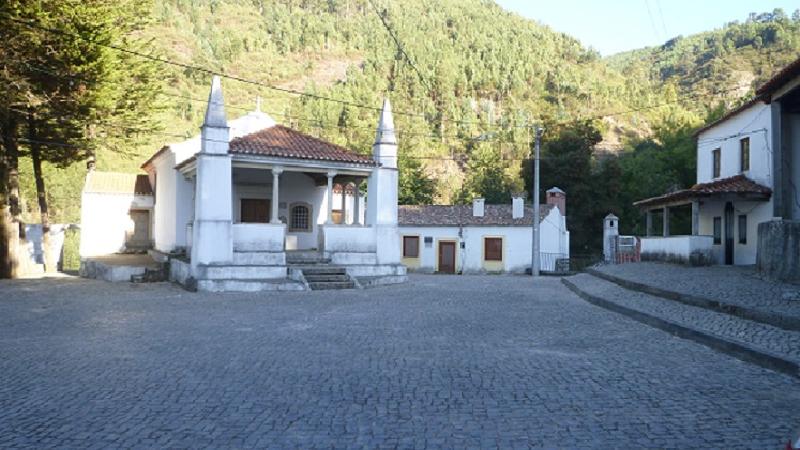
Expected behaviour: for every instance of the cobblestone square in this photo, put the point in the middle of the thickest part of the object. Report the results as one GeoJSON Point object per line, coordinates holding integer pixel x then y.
{"type": "Point", "coordinates": [441, 362]}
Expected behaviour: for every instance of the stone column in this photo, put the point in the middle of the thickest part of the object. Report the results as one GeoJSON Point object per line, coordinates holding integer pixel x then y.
{"type": "Point", "coordinates": [331, 174]}
{"type": "Point", "coordinates": [648, 217]}
{"type": "Point", "coordinates": [356, 205]}
{"type": "Point", "coordinates": [276, 176]}
{"type": "Point", "coordinates": [344, 204]}
{"type": "Point", "coordinates": [666, 221]}
{"type": "Point", "coordinates": [695, 218]}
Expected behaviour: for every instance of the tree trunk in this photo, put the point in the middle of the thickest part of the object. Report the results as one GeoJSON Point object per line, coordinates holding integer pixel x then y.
{"type": "Point", "coordinates": [41, 194]}
{"type": "Point", "coordinates": [11, 207]}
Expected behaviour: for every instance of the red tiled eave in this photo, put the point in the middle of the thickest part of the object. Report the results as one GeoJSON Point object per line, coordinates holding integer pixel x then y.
{"type": "Point", "coordinates": [738, 185]}
{"type": "Point", "coordinates": [283, 142]}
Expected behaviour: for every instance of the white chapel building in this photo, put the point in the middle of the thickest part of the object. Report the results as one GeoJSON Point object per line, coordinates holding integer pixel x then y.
{"type": "Point", "coordinates": [250, 204]}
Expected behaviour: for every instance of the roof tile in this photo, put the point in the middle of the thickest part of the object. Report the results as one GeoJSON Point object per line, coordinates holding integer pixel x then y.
{"type": "Point", "coordinates": [738, 184]}
{"type": "Point", "coordinates": [461, 215]}
{"type": "Point", "coordinates": [283, 142]}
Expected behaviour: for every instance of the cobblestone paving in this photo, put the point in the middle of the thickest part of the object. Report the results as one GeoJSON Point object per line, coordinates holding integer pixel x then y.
{"type": "Point", "coordinates": [459, 362]}
{"type": "Point", "coordinates": [740, 286]}
{"type": "Point", "coordinates": [753, 334]}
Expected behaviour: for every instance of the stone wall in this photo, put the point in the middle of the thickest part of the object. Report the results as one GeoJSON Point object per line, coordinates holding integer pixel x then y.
{"type": "Point", "coordinates": [779, 250]}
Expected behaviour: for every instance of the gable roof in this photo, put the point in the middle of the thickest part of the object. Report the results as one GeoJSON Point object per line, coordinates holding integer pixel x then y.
{"type": "Point", "coordinates": [782, 77]}
{"type": "Point", "coordinates": [739, 185]}
{"type": "Point", "coordinates": [117, 183]}
{"type": "Point", "coordinates": [461, 215]}
{"type": "Point", "coordinates": [284, 142]}
{"type": "Point", "coordinates": [741, 108]}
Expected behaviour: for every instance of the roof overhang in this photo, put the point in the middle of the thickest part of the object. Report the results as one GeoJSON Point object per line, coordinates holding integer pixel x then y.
{"type": "Point", "coordinates": [287, 164]}
{"type": "Point", "coordinates": [737, 187]}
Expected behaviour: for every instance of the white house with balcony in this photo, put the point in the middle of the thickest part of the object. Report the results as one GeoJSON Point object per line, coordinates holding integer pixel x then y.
{"type": "Point", "coordinates": [748, 170]}
{"type": "Point", "coordinates": [484, 238]}
{"type": "Point", "coordinates": [253, 205]}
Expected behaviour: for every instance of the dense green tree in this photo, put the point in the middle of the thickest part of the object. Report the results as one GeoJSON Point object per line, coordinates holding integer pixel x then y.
{"type": "Point", "coordinates": [61, 84]}
{"type": "Point", "coordinates": [415, 186]}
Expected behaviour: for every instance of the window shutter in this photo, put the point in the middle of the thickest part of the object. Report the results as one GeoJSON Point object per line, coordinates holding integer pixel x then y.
{"type": "Point", "coordinates": [493, 249]}
{"type": "Point", "coordinates": [410, 246]}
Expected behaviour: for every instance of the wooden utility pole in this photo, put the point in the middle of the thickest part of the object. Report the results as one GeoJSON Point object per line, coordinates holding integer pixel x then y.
{"type": "Point", "coordinates": [535, 262]}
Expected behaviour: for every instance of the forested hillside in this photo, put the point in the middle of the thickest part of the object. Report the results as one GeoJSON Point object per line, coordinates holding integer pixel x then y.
{"type": "Point", "coordinates": [468, 81]}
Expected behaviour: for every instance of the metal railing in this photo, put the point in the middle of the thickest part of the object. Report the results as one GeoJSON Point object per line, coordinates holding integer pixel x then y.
{"type": "Point", "coordinates": [553, 262]}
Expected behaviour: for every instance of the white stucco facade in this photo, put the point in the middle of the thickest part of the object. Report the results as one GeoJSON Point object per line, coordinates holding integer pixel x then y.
{"type": "Point", "coordinates": [469, 246]}
{"type": "Point", "coordinates": [753, 124]}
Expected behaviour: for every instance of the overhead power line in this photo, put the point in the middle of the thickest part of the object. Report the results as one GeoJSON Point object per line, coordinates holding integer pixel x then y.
{"type": "Point", "coordinates": [400, 47]}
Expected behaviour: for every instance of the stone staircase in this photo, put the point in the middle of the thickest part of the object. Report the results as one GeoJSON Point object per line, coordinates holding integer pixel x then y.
{"type": "Point", "coordinates": [250, 271]}
{"type": "Point", "coordinates": [767, 343]}
{"type": "Point", "coordinates": [318, 271]}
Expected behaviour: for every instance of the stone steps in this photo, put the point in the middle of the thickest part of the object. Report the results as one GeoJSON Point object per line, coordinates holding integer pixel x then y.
{"type": "Point", "coordinates": [321, 278]}
{"type": "Point", "coordinates": [329, 285]}
{"type": "Point", "coordinates": [762, 344]}
{"type": "Point", "coordinates": [240, 272]}
{"type": "Point", "coordinates": [250, 285]}
{"type": "Point", "coordinates": [241, 258]}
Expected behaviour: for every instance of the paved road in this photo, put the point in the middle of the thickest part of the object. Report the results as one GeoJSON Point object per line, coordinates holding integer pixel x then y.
{"type": "Point", "coordinates": [440, 362]}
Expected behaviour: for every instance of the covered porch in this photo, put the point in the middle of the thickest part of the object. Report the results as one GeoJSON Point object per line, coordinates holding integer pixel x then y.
{"type": "Point", "coordinates": [284, 205]}
{"type": "Point", "coordinates": [723, 217]}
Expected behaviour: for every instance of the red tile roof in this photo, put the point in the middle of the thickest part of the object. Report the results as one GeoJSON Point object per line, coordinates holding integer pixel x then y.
{"type": "Point", "coordinates": [117, 183]}
{"type": "Point", "coordinates": [461, 215]}
{"type": "Point", "coordinates": [283, 142]}
{"type": "Point", "coordinates": [737, 185]}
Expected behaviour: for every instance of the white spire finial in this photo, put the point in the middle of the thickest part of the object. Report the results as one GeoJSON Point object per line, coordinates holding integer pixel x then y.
{"type": "Point", "coordinates": [258, 104]}
{"type": "Point", "coordinates": [385, 133]}
{"type": "Point", "coordinates": [215, 113]}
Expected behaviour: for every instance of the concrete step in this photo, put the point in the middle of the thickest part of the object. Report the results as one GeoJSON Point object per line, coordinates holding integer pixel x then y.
{"type": "Point", "coordinates": [240, 272]}
{"type": "Point", "coordinates": [325, 278]}
{"type": "Point", "coordinates": [321, 270]}
{"type": "Point", "coordinates": [305, 257]}
{"type": "Point", "coordinates": [307, 262]}
{"type": "Point", "coordinates": [765, 345]}
{"type": "Point", "coordinates": [254, 285]}
{"type": "Point", "coordinates": [722, 306]}
{"type": "Point", "coordinates": [259, 258]}
{"type": "Point", "coordinates": [327, 285]}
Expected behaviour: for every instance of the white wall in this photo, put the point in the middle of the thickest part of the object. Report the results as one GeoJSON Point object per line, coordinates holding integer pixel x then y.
{"type": "Point", "coordinates": [755, 123]}
{"type": "Point", "coordinates": [757, 212]}
{"type": "Point", "coordinates": [516, 244]}
{"type": "Point", "coordinates": [174, 202]}
{"type": "Point", "coordinates": [105, 221]}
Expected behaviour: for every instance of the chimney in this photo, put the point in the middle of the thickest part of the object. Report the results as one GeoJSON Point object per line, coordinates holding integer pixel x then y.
{"type": "Point", "coordinates": [557, 198]}
{"type": "Point", "coordinates": [477, 207]}
{"type": "Point", "coordinates": [517, 206]}
{"type": "Point", "coordinates": [91, 163]}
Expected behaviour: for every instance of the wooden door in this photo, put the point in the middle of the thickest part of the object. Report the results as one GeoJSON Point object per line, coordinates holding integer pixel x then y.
{"type": "Point", "coordinates": [255, 210]}
{"type": "Point", "coordinates": [729, 233]}
{"type": "Point", "coordinates": [447, 257]}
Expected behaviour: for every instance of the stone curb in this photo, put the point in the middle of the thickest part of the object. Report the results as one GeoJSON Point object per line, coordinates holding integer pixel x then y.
{"type": "Point", "coordinates": [748, 354]}
{"type": "Point", "coordinates": [776, 320]}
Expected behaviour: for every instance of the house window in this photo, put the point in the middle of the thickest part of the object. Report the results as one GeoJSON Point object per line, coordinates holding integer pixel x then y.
{"type": "Point", "coordinates": [410, 246]}
{"type": "Point", "coordinates": [493, 249]}
{"type": "Point", "coordinates": [254, 210]}
{"type": "Point", "coordinates": [744, 154]}
{"type": "Point", "coordinates": [300, 217]}
{"type": "Point", "coordinates": [743, 229]}
{"type": "Point", "coordinates": [717, 230]}
{"type": "Point", "coordinates": [717, 155]}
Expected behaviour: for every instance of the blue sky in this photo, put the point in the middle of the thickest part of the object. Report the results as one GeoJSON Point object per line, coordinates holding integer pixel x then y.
{"type": "Point", "coordinates": [612, 26]}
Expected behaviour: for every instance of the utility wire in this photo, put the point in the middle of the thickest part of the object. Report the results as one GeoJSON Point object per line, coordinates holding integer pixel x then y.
{"type": "Point", "coordinates": [321, 97]}
{"type": "Point", "coordinates": [400, 47]}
